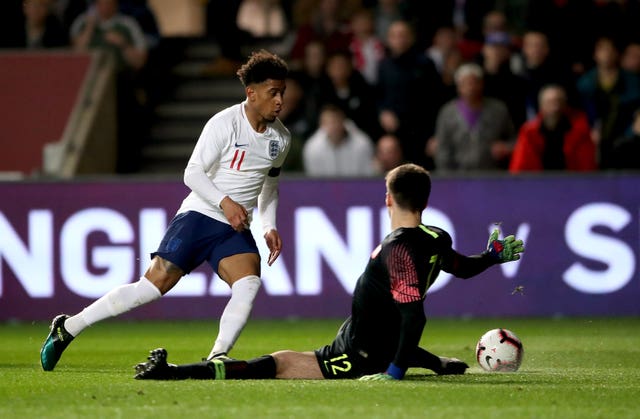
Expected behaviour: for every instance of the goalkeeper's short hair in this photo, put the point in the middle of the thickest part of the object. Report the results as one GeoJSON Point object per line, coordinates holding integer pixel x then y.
{"type": "Point", "coordinates": [410, 186]}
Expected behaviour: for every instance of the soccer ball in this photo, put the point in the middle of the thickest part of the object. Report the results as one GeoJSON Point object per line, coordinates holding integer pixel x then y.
{"type": "Point", "coordinates": [499, 350]}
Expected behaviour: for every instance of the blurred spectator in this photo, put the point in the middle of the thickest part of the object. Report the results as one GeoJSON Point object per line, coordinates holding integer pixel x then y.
{"type": "Point", "coordinates": [452, 62]}
{"type": "Point", "coordinates": [154, 78]}
{"type": "Point", "coordinates": [263, 19]}
{"type": "Point", "coordinates": [494, 21]}
{"type": "Point", "coordinates": [266, 25]}
{"type": "Point", "coordinates": [68, 10]}
{"type": "Point", "coordinates": [223, 29]}
{"type": "Point", "coordinates": [630, 60]}
{"type": "Point", "coordinates": [476, 18]}
{"type": "Point", "coordinates": [616, 18]}
{"type": "Point", "coordinates": [573, 41]}
{"type": "Point", "coordinates": [446, 58]}
{"type": "Point", "coordinates": [535, 64]}
{"type": "Point", "coordinates": [410, 92]}
{"type": "Point", "coordinates": [367, 49]}
{"type": "Point", "coordinates": [444, 43]}
{"type": "Point", "coordinates": [313, 79]}
{"type": "Point", "coordinates": [385, 12]}
{"type": "Point", "coordinates": [472, 41]}
{"type": "Point", "coordinates": [140, 11]}
{"type": "Point", "coordinates": [388, 154]}
{"type": "Point", "coordinates": [315, 59]}
{"type": "Point", "coordinates": [499, 80]}
{"type": "Point", "coordinates": [338, 148]}
{"type": "Point", "coordinates": [293, 116]}
{"type": "Point", "coordinates": [104, 27]}
{"type": "Point", "coordinates": [515, 12]}
{"type": "Point", "coordinates": [234, 24]}
{"type": "Point", "coordinates": [293, 108]}
{"type": "Point", "coordinates": [626, 148]}
{"type": "Point", "coordinates": [326, 25]}
{"type": "Point", "coordinates": [473, 132]}
{"type": "Point", "coordinates": [465, 16]}
{"type": "Point", "coordinates": [610, 95]}
{"type": "Point", "coordinates": [36, 28]}
{"type": "Point", "coordinates": [559, 138]}
{"type": "Point", "coordinates": [347, 89]}
{"type": "Point", "coordinates": [302, 11]}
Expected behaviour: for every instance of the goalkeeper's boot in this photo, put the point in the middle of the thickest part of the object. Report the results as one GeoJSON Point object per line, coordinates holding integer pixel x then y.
{"type": "Point", "coordinates": [220, 356]}
{"type": "Point", "coordinates": [156, 368]}
{"type": "Point", "coordinates": [56, 342]}
{"type": "Point", "coordinates": [452, 366]}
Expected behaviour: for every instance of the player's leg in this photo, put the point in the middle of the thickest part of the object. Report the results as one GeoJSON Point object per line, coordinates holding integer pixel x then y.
{"type": "Point", "coordinates": [292, 364]}
{"type": "Point", "coordinates": [439, 364]}
{"type": "Point", "coordinates": [179, 251]}
{"type": "Point", "coordinates": [331, 362]}
{"type": "Point", "coordinates": [157, 368]}
{"type": "Point", "coordinates": [236, 260]}
{"type": "Point", "coordinates": [282, 365]}
{"type": "Point", "coordinates": [241, 272]}
{"type": "Point", "coordinates": [161, 276]}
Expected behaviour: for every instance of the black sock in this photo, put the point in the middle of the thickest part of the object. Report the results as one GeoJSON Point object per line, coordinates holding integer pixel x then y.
{"type": "Point", "coordinates": [425, 359]}
{"type": "Point", "coordinates": [198, 371]}
{"type": "Point", "coordinates": [257, 368]}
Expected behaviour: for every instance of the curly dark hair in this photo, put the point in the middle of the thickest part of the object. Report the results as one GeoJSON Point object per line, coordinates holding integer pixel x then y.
{"type": "Point", "coordinates": [410, 186]}
{"type": "Point", "coordinates": [260, 66]}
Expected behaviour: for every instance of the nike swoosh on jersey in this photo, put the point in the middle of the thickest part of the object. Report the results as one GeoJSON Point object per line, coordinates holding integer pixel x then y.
{"type": "Point", "coordinates": [241, 145]}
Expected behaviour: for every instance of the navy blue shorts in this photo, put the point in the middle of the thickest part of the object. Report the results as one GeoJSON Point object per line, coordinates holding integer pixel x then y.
{"type": "Point", "coordinates": [192, 238]}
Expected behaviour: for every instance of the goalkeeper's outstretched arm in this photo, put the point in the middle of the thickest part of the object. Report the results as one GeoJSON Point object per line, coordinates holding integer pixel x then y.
{"type": "Point", "coordinates": [498, 251]}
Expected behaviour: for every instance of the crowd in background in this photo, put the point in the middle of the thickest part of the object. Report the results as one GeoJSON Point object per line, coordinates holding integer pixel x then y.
{"type": "Point", "coordinates": [127, 28]}
{"type": "Point", "coordinates": [453, 85]}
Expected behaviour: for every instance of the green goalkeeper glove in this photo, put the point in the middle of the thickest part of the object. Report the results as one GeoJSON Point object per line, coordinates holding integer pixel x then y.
{"type": "Point", "coordinates": [506, 250]}
{"type": "Point", "coordinates": [382, 376]}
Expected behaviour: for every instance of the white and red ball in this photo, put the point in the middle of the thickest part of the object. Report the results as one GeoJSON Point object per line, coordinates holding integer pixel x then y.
{"type": "Point", "coordinates": [499, 350]}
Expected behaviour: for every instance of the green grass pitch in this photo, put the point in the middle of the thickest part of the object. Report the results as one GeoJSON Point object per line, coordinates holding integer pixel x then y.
{"type": "Point", "coordinates": [573, 368]}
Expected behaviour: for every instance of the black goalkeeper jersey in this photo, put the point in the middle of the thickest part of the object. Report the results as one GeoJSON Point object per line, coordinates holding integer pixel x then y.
{"type": "Point", "coordinates": [387, 315]}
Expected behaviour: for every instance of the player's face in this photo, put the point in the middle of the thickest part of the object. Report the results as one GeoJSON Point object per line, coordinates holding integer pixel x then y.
{"type": "Point", "coordinates": [266, 98]}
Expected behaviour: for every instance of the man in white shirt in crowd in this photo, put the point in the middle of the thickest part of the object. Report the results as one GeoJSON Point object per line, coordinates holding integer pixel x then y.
{"type": "Point", "coordinates": [234, 168]}
{"type": "Point", "coordinates": [338, 148]}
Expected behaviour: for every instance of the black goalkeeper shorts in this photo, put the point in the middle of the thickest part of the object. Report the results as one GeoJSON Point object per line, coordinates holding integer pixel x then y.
{"type": "Point", "coordinates": [339, 360]}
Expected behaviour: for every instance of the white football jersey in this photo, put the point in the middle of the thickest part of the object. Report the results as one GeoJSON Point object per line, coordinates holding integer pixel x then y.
{"type": "Point", "coordinates": [236, 159]}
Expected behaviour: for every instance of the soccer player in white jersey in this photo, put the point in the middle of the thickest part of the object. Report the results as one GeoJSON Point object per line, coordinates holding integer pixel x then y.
{"type": "Point", "coordinates": [234, 168]}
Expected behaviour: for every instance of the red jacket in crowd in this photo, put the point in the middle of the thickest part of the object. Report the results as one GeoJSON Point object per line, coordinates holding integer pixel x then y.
{"type": "Point", "coordinates": [579, 149]}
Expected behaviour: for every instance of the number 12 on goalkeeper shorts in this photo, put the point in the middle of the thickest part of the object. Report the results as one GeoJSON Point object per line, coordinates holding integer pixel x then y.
{"type": "Point", "coordinates": [338, 364]}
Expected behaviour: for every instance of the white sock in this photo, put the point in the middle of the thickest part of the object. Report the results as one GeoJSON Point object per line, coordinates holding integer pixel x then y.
{"type": "Point", "coordinates": [236, 313]}
{"type": "Point", "coordinates": [117, 301]}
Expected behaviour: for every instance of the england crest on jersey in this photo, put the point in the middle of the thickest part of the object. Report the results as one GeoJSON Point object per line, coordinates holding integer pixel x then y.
{"type": "Point", "coordinates": [274, 149]}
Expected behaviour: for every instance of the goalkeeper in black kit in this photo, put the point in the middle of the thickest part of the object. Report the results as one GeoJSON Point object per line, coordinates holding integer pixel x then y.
{"type": "Point", "coordinates": [379, 341]}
